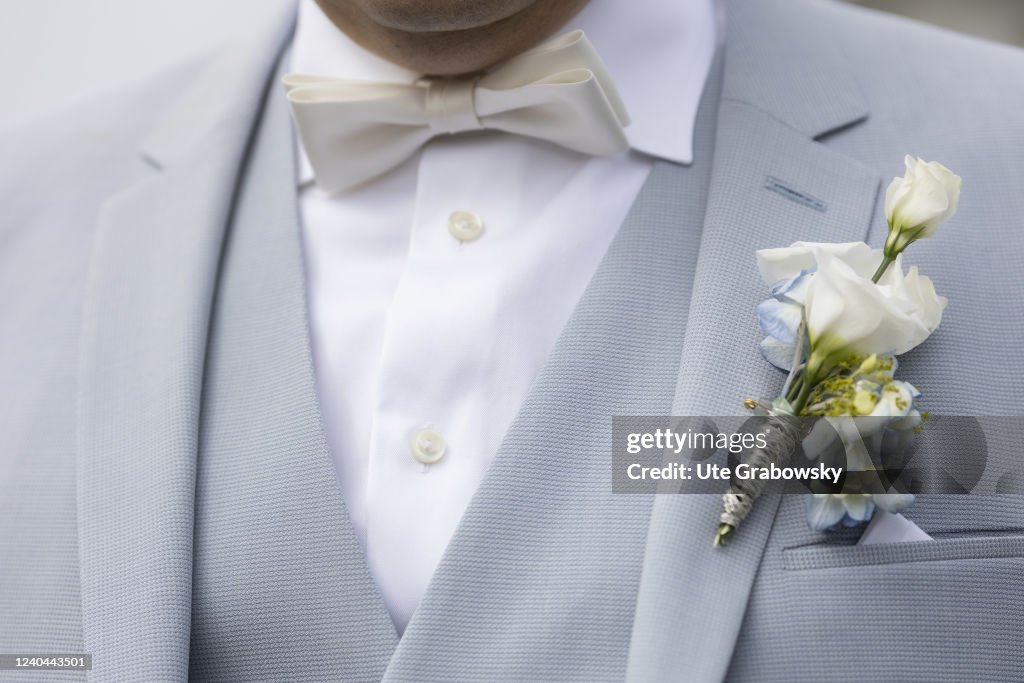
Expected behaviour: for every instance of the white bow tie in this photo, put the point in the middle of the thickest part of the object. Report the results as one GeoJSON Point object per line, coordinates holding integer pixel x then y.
{"type": "Point", "coordinates": [353, 131]}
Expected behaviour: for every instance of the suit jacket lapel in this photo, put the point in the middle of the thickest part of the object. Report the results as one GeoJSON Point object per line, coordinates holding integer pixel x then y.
{"type": "Point", "coordinates": [143, 343]}
{"type": "Point", "coordinates": [280, 584]}
{"type": "Point", "coordinates": [773, 183]}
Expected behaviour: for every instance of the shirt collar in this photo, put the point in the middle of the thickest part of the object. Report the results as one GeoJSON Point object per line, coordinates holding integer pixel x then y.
{"type": "Point", "coordinates": [658, 53]}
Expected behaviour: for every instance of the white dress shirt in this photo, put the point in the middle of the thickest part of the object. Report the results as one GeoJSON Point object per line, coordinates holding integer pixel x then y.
{"type": "Point", "coordinates": [428, 325]}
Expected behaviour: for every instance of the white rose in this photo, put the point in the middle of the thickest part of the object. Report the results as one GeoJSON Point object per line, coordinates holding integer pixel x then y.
{"type": "Point", "coordinates": [846, 313]}
{"type": "Point", "coordinates": [926, 196]}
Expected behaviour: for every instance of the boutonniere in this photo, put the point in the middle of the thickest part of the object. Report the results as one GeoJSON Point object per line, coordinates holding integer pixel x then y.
{"type": "Point", "coordinates": [838, 317]}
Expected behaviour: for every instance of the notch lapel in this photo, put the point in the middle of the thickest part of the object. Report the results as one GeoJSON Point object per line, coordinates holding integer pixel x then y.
{"type": "Point", "coordinates": [146, 316]}
{"type": "Point", "coordinates": [773, 183]}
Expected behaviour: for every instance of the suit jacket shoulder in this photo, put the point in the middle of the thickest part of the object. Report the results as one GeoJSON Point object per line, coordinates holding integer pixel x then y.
{"type": "Point", "coordinates": [61, 164]}
{"type": "Point", "coordinates": [924, 75]}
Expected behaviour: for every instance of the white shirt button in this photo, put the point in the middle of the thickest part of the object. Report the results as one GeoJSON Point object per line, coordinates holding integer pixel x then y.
{"type": "Point", "coordinates": [465, 226]}
{"type": "Point", "coordinates": [427, 445]}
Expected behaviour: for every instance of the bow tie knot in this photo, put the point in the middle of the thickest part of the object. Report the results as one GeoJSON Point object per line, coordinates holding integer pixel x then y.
{"type": "Point", "coordinates": [353, 131]}
{"type": "Point", "coordinates": [451, 106]}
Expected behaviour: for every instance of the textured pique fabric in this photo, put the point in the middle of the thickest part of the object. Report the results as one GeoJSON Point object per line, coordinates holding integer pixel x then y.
{"type": "Point", "coordinates": [832, 130]}
{"type": "Point", "coordinates": [279, 580]}
{"type": "Point", "coordinates": [108, 270]}
{"type": "Point", "coordinates": [107, 264]}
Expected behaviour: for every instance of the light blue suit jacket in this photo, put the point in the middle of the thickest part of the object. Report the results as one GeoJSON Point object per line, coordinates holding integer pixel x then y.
{"type": "Point", "coordinates": [167, 503]}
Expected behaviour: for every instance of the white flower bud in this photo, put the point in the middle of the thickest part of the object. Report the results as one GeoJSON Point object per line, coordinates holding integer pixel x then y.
{"type": "Point", "coordinates": [915, 205]}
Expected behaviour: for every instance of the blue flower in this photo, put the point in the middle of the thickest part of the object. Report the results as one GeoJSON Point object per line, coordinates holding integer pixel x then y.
{"type": "Point", "coordinates": [780, 317]}
{"type": "Point", "coordinates": [826, 510]}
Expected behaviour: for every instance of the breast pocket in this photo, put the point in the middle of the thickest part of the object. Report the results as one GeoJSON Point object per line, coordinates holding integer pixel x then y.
{"type": "Point", "coordinates": [945, 548]}
{"type": "Point", "coordinates": [949, 609]}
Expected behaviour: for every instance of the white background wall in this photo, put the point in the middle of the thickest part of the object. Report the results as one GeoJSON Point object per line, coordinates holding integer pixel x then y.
{"type": "Point", "coordinates": [53, 52]}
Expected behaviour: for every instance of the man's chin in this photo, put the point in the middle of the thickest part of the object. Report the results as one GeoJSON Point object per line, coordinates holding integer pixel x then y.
{"type": "Point", "coordinates": [432, 16]}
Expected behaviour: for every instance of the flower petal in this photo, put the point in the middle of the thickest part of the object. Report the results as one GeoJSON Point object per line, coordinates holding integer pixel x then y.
{"type": "Point", "coordinates": [893, 502]}
{"type": "Point", "coordinates": [847, 312]}
{"type": "Point", "coordinates": [776, 265]}
{"type": "Point", "coordinates": [779, 319]}
{"type": "Point", "coordinates": [859, 507]}
{"type": "Point", "coordinates": [824, 511]}
{"type": "Point", "coordinates": [778, 353]}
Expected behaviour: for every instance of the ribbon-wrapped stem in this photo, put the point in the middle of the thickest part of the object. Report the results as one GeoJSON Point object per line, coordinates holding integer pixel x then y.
{"type": "Point", "coordinates": [783, 433]}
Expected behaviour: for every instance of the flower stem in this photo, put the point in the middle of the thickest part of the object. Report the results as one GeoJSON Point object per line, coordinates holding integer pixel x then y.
{"type": "Point", "coordinates": [794, 390]}
{"type": "Point", "coordinates": [801, 398]}
{"type": "Point", "coordinates": [882, 267]}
